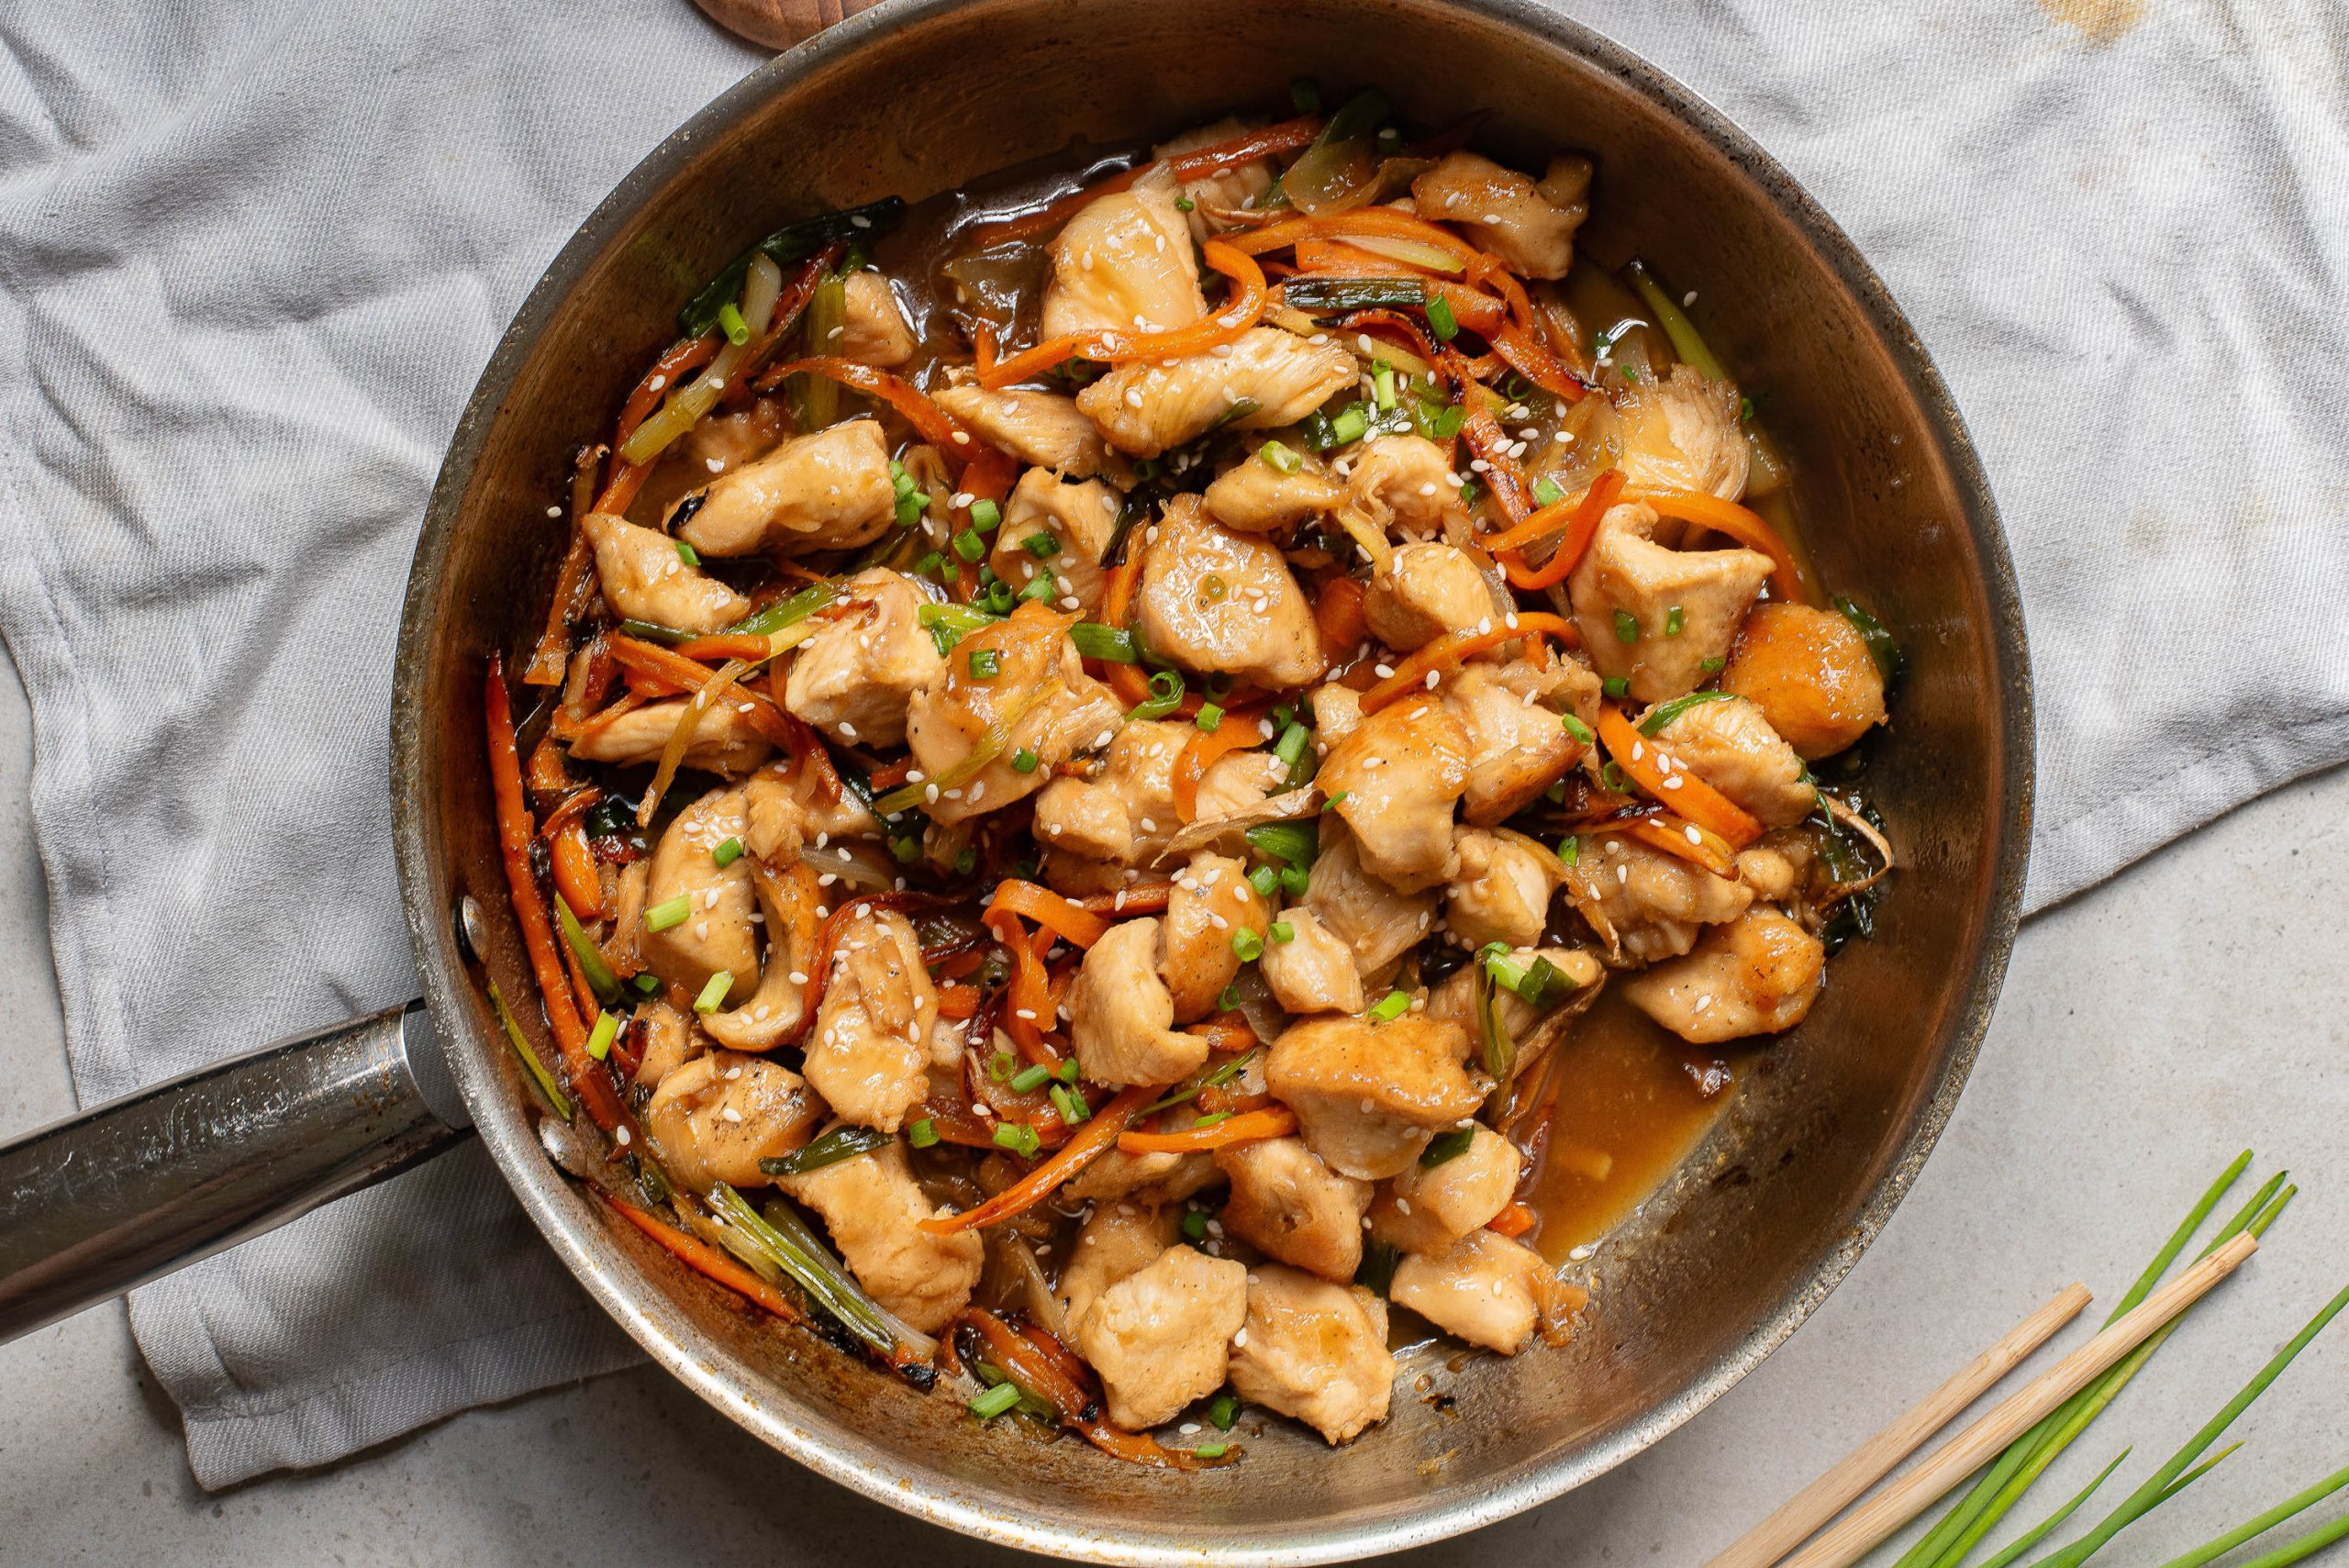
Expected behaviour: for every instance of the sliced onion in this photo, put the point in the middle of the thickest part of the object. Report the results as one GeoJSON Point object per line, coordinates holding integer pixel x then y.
{"type": "Point", "coordinates": [681, 739]}
{"type": "Point", "coordinates": [1411, 253]}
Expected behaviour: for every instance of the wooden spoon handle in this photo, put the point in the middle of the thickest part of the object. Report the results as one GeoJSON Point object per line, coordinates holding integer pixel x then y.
{"type": "Point", "coordinates": [779, 24]}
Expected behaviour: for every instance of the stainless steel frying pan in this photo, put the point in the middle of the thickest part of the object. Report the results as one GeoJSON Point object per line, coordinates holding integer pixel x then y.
{"type": "Point", "coordinates": [918, 96]}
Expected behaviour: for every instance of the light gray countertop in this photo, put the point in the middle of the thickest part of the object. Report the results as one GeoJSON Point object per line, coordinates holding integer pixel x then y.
{"type": "Point", "coordinates": [2149, 1031]}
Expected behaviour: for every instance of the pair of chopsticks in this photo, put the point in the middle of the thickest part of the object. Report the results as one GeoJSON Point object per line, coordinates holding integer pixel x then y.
{"type": "Point", "coordinates": [1806, 1513]}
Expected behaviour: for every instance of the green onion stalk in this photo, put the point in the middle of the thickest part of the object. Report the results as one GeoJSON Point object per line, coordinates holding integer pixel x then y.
{"type": "Point", "coordinates": [778, 1244]}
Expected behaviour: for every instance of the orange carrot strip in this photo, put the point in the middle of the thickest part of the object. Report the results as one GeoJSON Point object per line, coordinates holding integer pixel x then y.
{"type": "Point", "coordinates": [1273, 1121]}
{"type": "Point", "coordinates": [1028, 1009]}
{"type": "Point", "coordinates": [1093, 1138]}
{"type": "Point", "coordinates": [1227, 1034]}
{"type": "Point", "coordinates": [1741, 524]}
{"type": "Point", "coordinates": [1581, 525]}
{"type": "Point", "coordinates": [723, 648]}
{"type": "Point", "coordinates": [1514, 1220]}
{"type": "Point", "coordinates": [952, 438]}
{"type": "Point", "coordinates": [1072, 922]}
{"type": "Point", "coordinates": [1671, 835]}
{"type": "Point", "coordinates": [710, 1262]}
{"type": "Point", "coordinates": [1051, 1372]}
{"type": "Point", "coordinates": [958, 1001]}
{"type": "Point", "coordinates": [1339, 616]}
{"type": "Point", "coordinates": [1380, 220]}
{"type": "Point", "coordinates": [1239, 313]}
{"type": "Point", "coordinates": [1236, 732]}
{"type": "Point", "coordinates": [1645, 763]}
{"type": "Point", "coordinates": [573, 866]}
{"type": "Point", "coordinates": [1444, 651]}
{"type": "Point", "coordinates": [1143, 898]}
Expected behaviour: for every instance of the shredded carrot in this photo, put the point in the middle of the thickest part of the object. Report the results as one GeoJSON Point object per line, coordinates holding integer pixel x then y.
{"type": "Point", "coordinates": [789, 307]}
{"type": "Point", "coordinates": [1513, 1221]}
{"type": "Point", "coordinates": [1028, 1005]}
{"type": "Point", "coordinates": [956, 1001]}
{"type": "Point", "coordinates": [1090, 1140]}
{"type": "Point", "coordinates": [1646, 763]}
{"type": "Point", "coordinates": [1112, 346]}
{"type": "Point", "coordinates": [1444, 651]}
{"type": "Point", "coordinates": [547, 662]}
{"type": "Point", "coordinates": [1385, 221]}
{"type": "Point", "coordinates": [1675, 836]}
{"type": "Point", "coordinates": [710, 1262]}
{"type": "Point", "coordinates": [724, 646]}
{"type": "Point", "coordinates": [1741, 524]}
{"type": "Point", "coordinates": [573, 864]}
{"type": "Point", "coordinates": [1143, 898]}
{"type": "Point", "coordinates": [949, 435]}
{"type": "Point", "coordinates": [1236, 732]}
{"type": "Point", "coordinates": [626, 478]}
{"type": "Point", "coordinates": [1288, 136]}
{"type": "Point", "coordinates": [1117, 587]}
{"type": "Point", "coordinates": [1339, 616]}
{"type": "Point", "coordinates": [889, 775]}
{"type": "Point", "coordinates": [1230, 1033]}
{"type": "Point", "coordinates": [1273, 1121]}
{"type": "Point", "coordinates": [1072, 922]}
{"type": "Point", "coordinates": [1581, 527]}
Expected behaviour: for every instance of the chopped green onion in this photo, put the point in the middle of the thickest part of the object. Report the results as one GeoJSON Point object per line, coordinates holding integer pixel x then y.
{"type": "Point", "coordinates": [995, 1401]}
{"type": "Point", "coordinates": [1382, 382]}
{"type": "Point", "coordinates": [1449, 1145]}
{"type": "Point", "coordinates": [1223, 1410]}
{"type": "Point", "coordinates": [600, 978]}
{"type": "Point", "coordinates": [1211, 717]}
{"type": "Point", "coordinates": [1166, 696]}
{"type": "Point", "coordinates": [1098, 641]}
{"type": "Point", "coordinates": [1675, 621]}
{"type": "Point", "coordinates": [1295, 881]}
{"type": "Point", "coordinates": [1350, 424]}
{"type": "Point", "coordinates": [1577, 728]}
{"type": "Point", "coordinates": [1213, 1118]}
{"type": "Point", "coordinates": [1712, 666]}
{"type": "Point", "coordinates": [1392, 1006]}
{"type": "Point", "coordinates": [1686, 341]}
{"type": "Point", "coordinates": [669, 912]}
{"type": "Point", "coordinates": [1040, 545]}
{"type": "Point", "coordinates": [600, 1038]}
{"type": "Point", "coordinates": [1265, 880]}
{"type": "Point", "coordinates": [985, 664]}
{"type": "Point", "coordinates": [1548, 492]}
{"type": "Point", "coordinates": [1040, 589]}
{"type": "Point", "coordinates": [689, 554]}
{"type": "Point", "coordinates": [966, 862]}
{"type": "Point", "coordinates": [727, 853]}
{"type": "Point", "coordinates": [1067, 1071]}
{"type": "Point", "coordinates": [713, 993]}
{"type": "Point", "coordinates": [1449, 422]}
{"type": "Point", "coordinates": [1279, 457]}
{"type": "Point", "coordinates": [521, 1043]}
{"type": "Point", "coordinates": [785, 612]}
{"type": "Point", "coordinates": [985, 515]}
{"type": "Point", "coordinates": [969, 545]}
{"type": "Point", "coordinates": [1295, 843]}
{"type": "Point", "coordinates": [1377, 1271]}
{"type": "Point", "coordinates": [1627, 626]}
{"type": "Point", "coordinates": [1500, 1050]}
{"type": "Point", "coordinates": [922, 1134]}
{"type": "Point", "coordinates": [1616, 685]}
{"type": "Point", "coordinates": [1570, 850]}
{"type": "Point", "coordinates": [1282, 932]}
{"type": "Point", "coordinates": [1031, 1078]}
{"type": "Point", "coordinates": [1195, 1225]}
{"type": "Point", "coordinates": [792, 243]}
{"type": "Point", "coordinates": [1440, 320]}
{"type": "Point", "coordinates": [1002, 1065]}
{"type": "Point", "coordinates": [929, 565]}
{"type": "Point", "coordinates": [1023, 760]}
{"type": "Point", "coordinates": [1228, 999]}
{"type": "Point", "coordinates": [1248, 944]}
{"type": "Point", "coordinates": [1211, 1450]}
{"type": "Point", "coordinates": [1656, 722]}
{"type": "Point", "coordinates": [1070, 1103]}
{"type": "Point", "coordinates": [1291, 746]}
{"type": "Point", "coordinates": [1019, 1137]}
{"type": "Point", "coordinates": [731, 322]}
{"type": "Point", "coordinates": [647, 983]}
{"type": "Point", "coordinates": [1185, 203]}
{"type": "Point", "coordinates": [840, 1143]}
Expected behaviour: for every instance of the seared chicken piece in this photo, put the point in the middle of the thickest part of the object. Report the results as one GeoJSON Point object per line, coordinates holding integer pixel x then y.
{"type": "Point", "coordinates": [1160, 1337]}
{"type": "Point", "coordinates": [717, 932]}
{"type": "Point", "coordinates": [669, 1040]}
{"type": "Point", "coordinates": [875, 332]}
{"type": "Point", "coordinates": [1503, 212]}
{"type": "Point", "coordinates": [1124, 262]}
{"type": "Point", "coordinates": [1501, 893]}
{"type": "Point", "coordinates": [1369, 1095]}
{"type": "Point", "coordinates": [1121, 1016]}
{"type": "Point", "coordinates": [830, 490]}
{"type": "Point", "coordinates": [1215, 601]}
{"type": "Point", "coordinates": [1393, 782]}
{"type": "Point", "coordinates": [1758, 975]}
{"type": "Point", "coordinates": [1144, 1178]}
{"type": "Point", "coordinates": [760, 1016]}
{"type": "Point", "coordinates": [724, 741]}
{"type": "Point", "coordinates": [1117, 1239]}
{"type": "Point", "coordinates": [1229, 189]}
{"type": "Point", "coordinates": [716, 1117]}
{"type": "Point", "coordinates": [873, 1209]}
{"type": "Point", "coordinates": [1313, 972]}
{"type": "Point", "coordinates": [1212, 902]}
{"type": "Point", "coordinates": [1058, 529]}
{"type": "Point", "coordinates": [643, 578]}
{"type": "Point", "coordinates": [1315, 1351]}
{"type": "Point", "coordinates": [1520, 744]}
{"type": "Point", "coordinates": [1484, 1287]}
{"type": "Point", "coordinates": [869, 1053]}
{"type": "Point", "coordinates": [946, 719]}
{"type": "Point", "coordinates": [1428, 1208]}
{"type": "Point", "coordinates": [1732, 748]}
{"type": "Point", "coordinates": [1269, 379]}
{"type": "Point", "coordinates": [1337, 711]}
{"type": "Point", "coordinates": [1626, 572]}
{"type": "Point", "coordinates": [1254, 497]}
{"type": "Point", "coordinates": [1809, 673]}
{"type": "Point", "coordinates": [721, 441]}
{"type": "Point", "coordinates": [1044, 429]}
{"type": "Point", "coordinates": [1125, 813]}
{"type": "Point", "coordinates": [1430, 590]}
{"type": "Point", "coordinates": [788, 810]}
{"type": "Point", "coordinates": [1683, 432]}
{"type": "Point", "coordinates": [1237, 781]}
{"type": "Point", "coordinates": [1286, 1201]}
{"type": "Point", "coordinates": [1379, 924]}
{"type": "Point", "coordinates": [1645, 903]}
{"type": "Point", "coordinates": [852, 679]}
{"type": "Point", "coordinates": [1403, 482]}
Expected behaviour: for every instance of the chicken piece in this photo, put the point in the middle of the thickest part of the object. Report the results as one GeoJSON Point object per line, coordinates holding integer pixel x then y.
{"type": "Point", "coordinates": [1501, 893]}
{"type": "Point", "coordinates": [1683, 432]}
{"type": "Point", "coordinates": [763, 1017]}
{"type": "Point", "coordinates": [1377, 923]}
{"type": "Point", "coordinates": [1227, 189]}
{"type": "Point", "coordinates": [1811, 674]}
{"type": "Point", "coordinates": [1428, 1208]}
{"type": "Point", "coordinates": [1626, 572]}
{"type": "Point", "coordinates": [1253, 497]}
{"type": "Point", "coordinates": [852, 679]}
{"type": "Point", "coordinates": [1428, 590]}
{"type": "Point", "coordinates": [643, 578]}
{"type": "Point", "coordinates": [788, 810]}
{"type": "Point", "coordinates": [1403, 482]}
{"type": "Point", "coordinates": [667, 1041]}
{"type": "Point", "coordinates": [1393, 782]}
{"type": "Point", "coordinates": [947, 720]}
{"type": "Point", "coordinates": [873, 1209]}
{"type": "Point", "coordinates": [1269, 379]}
{"type": "Point", "coordinates": [1121, 1016]}
{"type": "Point", "coordinates": [716, 1117]}
{"type": "Point", "coordinates": [1756, 975]}
{"type": "Point", "coordinates": [869, 1053]}
{"type": "Point", "coordinates": [1504, 212]}
{"type": "Point", "coordinates": [1144, 1178]}
{"type": "Point", "coordinates": [1369, 1095]}
{"type": "Point", "coordinates": [1647, 904]}
{"type": "Point", "coordinates": [830, 490]}
{"type": "Point", "coordinates": [1124, 262]}
{"type": "Point", "coordinates": [1732, 748]}
{"type": "Point", "coordinates": [1160, 1337]}
{"type": "Point", "coordinates": [1044, 429]}
{"type": "Point", "coordinates": [1286, 1201]}
{"type": "Point", "coordinates": [1315, 1351]}
{"type": "Point", "coordinates": [724, 742]}
{"type": "Point", "coordinates": [1337, 712]}
{"type": "Point", "coordinates": [1238, 781]}
{"type": "Point", "coordinates": [1521, 745]}
{"type": "Point", "coordinates": [1057, 527]}
{"type": "Point", "coordinates": [1116, 1241]}
{"type": "Point", "coordinates": [1215, 601]}
{"type": "Point", "coordinates": [721, 441]}
{"type": "Point", "coordinates": [875, 332]}
{"type": "Point", "coordinates": [1125, 813]}
{"type": "Point", "coordinates": [1484, 1287]}
{"type": "Point", "coordinates": [1210, 905]}
{"type": "Point", "coordinates": [1454, 1001]}
{"type": "Point", "coordinates": [717, 931]}
{"type": "Point", "coordinates": [1313, 972]}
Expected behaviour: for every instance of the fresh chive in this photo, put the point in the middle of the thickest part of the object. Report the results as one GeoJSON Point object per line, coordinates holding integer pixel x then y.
{"type": "Point", "coordinates": [1392, 1006]}
{"type": "Point", "coordinates": [731, 322]}
{"type": "Point", "coordinates": [1282, 932]}
{"type": "Point", "coordinates": [1031, 1078]}
{"type": "Point", "coordinates": [1548, 492]}
{"type": "Point", "coordinates": [969, 545]}
{"type": "Point", "coordinates": [1067, 1071]}
{"type": "Point", "coordinates": [922, 1134]}
{"type": "Point", "coordinates": [1223, 1410]}
{"type": "Point", "coordinates": [600, 1038]}
{"type": "Point", "coordinates": [727, 853]}
{"type": "Point", "coordinates": [1577, 728]}
{"type": "Point", "coordinates": [995, 1401]}
{"type": "Point", "coordinates": [1211, 717]}
{"type": "Point", "coordinates": [1279, 457]}
{"type": "Point", "coordinates": [985, 664]}
{"type": "Point", "coordinates": [669, 912]}
{"type": "Point", "coordinates": [1627, 626]}
{"type": "Point", "coordinates": [1382, 382]}
{"type": "Point", "coordinates": [1446, 1146]}
{"type": "Point", "coordinates": [1195, 1225]}
{"type": "Point", "coordinates": [714, 993]}
{"type": "Point", "coordinates": [1440, 320]}
{"type": "Point", "coordinates": [1023, 760]}
{"type": "Point", "coordinates": [1615, 687]}
{"type": "Point", "coordinates": [1676, 620]}
{"type": "Point", "coordinates": [840, 1143]}
{"type": "Point", "coordinates": [1265, 880]}
{"type": "Point", "coordinates": [1248, 944]}
{"type": "Point", "coordinates": [2048, 1526]}
{"type": "Point", "coordinates": [985, 515]}
{"type": "Point", "coordinates": [1040, 589]}
{"type": "Point", "coordinates": [1115, 644]}
{"type": "Point", "coordinates": [929, 565]}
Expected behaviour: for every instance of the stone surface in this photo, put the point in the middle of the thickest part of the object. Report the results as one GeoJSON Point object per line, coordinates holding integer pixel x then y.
{"type": "Point", "coordinates": [2149, 1031]}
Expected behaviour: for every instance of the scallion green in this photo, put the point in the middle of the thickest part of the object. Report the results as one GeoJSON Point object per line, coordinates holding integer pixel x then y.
{"type": "Point", "coordinates": [840, 1143]}
{"type": "Point", "coordinates": [714, 993]}
{"type": "Point", "coordinates": [727, 853]}
{"type": "Point", "coordinates": [1031, 1078]}
{"type": "Point", "coordinates": [1392, 1006]}
{"type": "Point", "coordinates": [1115, 644]}
{"type": "Point", "coordinates": [995, 1401]}
{"type": "Point", "coordinates": [669, 912]}
{"type": "Point", "coordinates": [1440, 320]}
{"type": "Point", "coordinates": [1248, 944]}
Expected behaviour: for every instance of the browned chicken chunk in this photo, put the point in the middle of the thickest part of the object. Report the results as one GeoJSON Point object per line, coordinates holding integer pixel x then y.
{"type": "Point", "coordinates": [1213, 601]}
{"type": "Point", "coordinates": [1041, 693]}
{"type": "Point", "coordinates": [1625, 571]}
{"type": "Point", "coordinates": [1057, 529]}
{"type": "Point", "coordinates": [1504, 211]}
{"type": "Point", "coordinates": [1368, 1095]}
{"type": "Point", "coordinates": [1269, 379]}
{"type": "Point", "coordinates": [716, 1117]}
{"type": "Point", "coordinates": [1160, 1337]}
{"type": "Point", "coordinates": [643, 578]}
{"type": "Point", "coordinates": [1428, 1208]}
{"type": "Point", "coordinates": [868, 1054]}
{"type": "Point", "coordinates": [1046, 429]}
{"type": "Point", "coordinates": [873, 1209]}
{"type": "Point", "coordinates": [1757, 975]}
{"type": "Point", "coordinates": [830, 490]}
{"type": "Point", "coordinates": [1315, 1351]}
{"type": "Point", "coordinates": [852, 679]}
{"type": "Point", "coordinates": [1394, 781]}
{"type": "Point", "coordinates": [1288, 1202]}
{"type": "Point", "coordinates": [1121, 1016]}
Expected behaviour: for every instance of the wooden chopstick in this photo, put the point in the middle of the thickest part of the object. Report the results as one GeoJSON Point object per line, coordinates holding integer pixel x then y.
{"type": "Point", "coordinates": [1869, 1525]}
{"type": "Point", "coordinates": [1815, 1504]}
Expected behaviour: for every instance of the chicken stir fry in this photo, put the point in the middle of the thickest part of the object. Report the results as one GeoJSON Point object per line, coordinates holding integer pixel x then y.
{"type": "Point", "coordinates": [1092, 761]}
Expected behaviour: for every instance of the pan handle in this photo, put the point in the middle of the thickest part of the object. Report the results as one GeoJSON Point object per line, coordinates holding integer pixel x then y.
{"type": "Point", "coordinates": [94, 1204]}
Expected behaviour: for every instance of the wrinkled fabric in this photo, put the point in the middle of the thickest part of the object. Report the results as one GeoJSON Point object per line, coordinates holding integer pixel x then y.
{"type": "Point", "coordinates": [253, 257]}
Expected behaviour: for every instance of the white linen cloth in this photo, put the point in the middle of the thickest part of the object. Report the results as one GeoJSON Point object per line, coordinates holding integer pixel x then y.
{"type": "Point", "coordinates": [254, 255]}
